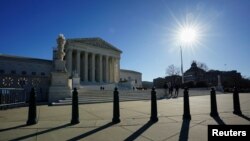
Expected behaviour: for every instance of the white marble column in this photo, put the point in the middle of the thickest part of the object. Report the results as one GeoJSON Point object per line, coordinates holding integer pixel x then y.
{"type": "Point", "coordinates": [107, 69]}
{"type": "Point", "coordinates": [69, 61]}
{"type": "Point", "coordinates": [82, 66]}
{"type": "Point", "coordinates": [85, 66]}
{"type": "Point", "coordinates": [115, 70]}
{"type": "Point", "coordinates": [100, 69]}
{"type": "Point", "coordinates": [93, 68]}
{"type": "Point", "coordinates": [118, 70]}
{"type": "Point", "coordinates": [111, 70]}
{"type": "Point", "coordinates": [78, 69]}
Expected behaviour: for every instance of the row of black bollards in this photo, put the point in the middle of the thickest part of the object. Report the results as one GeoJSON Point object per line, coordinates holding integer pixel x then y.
{"type": "Point", "coordinates": [186, 107]}
{"type": "Point", "coordinates": [116, 107]}
{"type": "Point", "coordinates": [153, 117]}
{"type": "Point", "coordinates": [32, 114]}
{"type": "Point", "coordinates": [32, 119]}
{"type": "Point", "coordinates": [75, 109]}
{"type": "Point", "coordinates": [214, 111]}
{"type": "Point", "coordinates": [236, 101]}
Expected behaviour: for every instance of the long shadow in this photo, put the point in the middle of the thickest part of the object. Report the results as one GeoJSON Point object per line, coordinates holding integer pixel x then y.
{"type": "Point", "coordinates": [243, 116]}
{"type": "Point", "coordinates": [137, 133]}
{"type": "Point", "coordinates": [42, 132]}
{"type": "Point", "coordinates": [11, 128]}
{"type": "Point", "coordinates": [92, 132]}
{"type": "Point", "coordinates": [184, 130]}
{"type": "Point", "coordinates": [219, 120]}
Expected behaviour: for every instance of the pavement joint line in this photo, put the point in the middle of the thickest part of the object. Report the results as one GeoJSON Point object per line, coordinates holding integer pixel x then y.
{"type": "Point", "coordinates": [36, 134]}
{"type": "Point", "coordinates": [94, 115]}
{"type": "Point", "coordinates": [245, 102]}
{"type": "Point", "coordinates": [145, 137]}
{"type": "Point", "coordinates": [137, 111]}
{"type": "Point", "coordinates": [195, 124]}
{"type": "Point", "coordinates": [172, 119]}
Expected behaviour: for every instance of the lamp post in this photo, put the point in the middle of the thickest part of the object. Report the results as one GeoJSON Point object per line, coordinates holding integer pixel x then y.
{"type": "Point", "coordinates": [188, 36]}
{"type": "Point", "coordinates": [182, 76]}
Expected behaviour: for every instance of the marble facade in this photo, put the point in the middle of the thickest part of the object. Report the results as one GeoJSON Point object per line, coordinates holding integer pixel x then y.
{"type": "Point", "coordinates": [93, 59]}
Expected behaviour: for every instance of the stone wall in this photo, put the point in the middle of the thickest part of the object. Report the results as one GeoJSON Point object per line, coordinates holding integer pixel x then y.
{"type": "Point", "coordinates": [135, 78]}
{"type": "Point", "coordinates": [22, 72]}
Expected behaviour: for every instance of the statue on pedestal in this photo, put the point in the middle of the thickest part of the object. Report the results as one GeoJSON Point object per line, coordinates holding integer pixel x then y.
{"type": "Point", "coordinates": [59, 62]}
{"type": "Point", "coordinates": [60, 47]}
{"type": "Point", "coordinates": [60, 84]}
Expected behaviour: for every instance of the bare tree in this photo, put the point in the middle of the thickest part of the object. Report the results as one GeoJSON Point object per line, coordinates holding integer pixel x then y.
{"type": "Point", "coordinates": [202, 66]}
{"type": "Point", "coordinates": [172, 70]}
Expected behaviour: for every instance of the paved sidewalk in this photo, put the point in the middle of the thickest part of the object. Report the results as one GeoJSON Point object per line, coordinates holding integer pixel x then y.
{"type": "Point", "coordinates": [95, 121]}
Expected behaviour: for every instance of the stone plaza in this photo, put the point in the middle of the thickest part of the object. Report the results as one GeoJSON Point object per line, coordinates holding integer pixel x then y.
{"type": "Point", "coordinates": [95, 120]}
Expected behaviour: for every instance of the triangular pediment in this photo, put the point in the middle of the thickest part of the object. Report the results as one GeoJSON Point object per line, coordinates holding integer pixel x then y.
{"type": "Point", "coordinates": [98, 42]}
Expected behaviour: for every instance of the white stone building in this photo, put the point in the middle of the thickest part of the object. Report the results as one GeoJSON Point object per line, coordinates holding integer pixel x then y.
{"type": "Point", "coordinates": [131, 78]}
{"type": "Point", "coordinates": [93, 59]}
{"type": "Point", "coordinates": [96, 62]}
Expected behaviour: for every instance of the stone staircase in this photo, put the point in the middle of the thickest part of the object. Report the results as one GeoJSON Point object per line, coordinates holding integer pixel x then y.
{"type": "Point", "coordinates": [97, 96]}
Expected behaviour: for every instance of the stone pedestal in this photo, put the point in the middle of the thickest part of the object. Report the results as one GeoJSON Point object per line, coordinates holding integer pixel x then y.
{"type": "Point", "coordinates": [60, 66]}
{"type": "Point", "coordinates": [60, 86]}
{"type": "Point", "coordinates": [75, 82]}
{"type": "Point", "coordinates": [219, 86]}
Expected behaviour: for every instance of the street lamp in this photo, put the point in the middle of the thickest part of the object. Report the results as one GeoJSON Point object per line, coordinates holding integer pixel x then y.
{"type": "Point", "coordinates": [187, 35]}
{"type": "Point", "coordinates": [182, 76]}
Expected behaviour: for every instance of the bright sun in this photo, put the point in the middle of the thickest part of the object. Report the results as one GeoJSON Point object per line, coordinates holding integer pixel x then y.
{"type": "Point", "coordinates": [188, 35]}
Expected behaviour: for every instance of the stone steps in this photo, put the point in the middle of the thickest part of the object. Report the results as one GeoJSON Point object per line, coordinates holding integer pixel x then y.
{"type": "Point", "coordinates": [94, 96]}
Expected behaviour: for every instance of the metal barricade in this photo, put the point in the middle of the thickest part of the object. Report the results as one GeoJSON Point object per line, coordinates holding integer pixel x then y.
{"type": "Point", "coordinates": [11, 97]}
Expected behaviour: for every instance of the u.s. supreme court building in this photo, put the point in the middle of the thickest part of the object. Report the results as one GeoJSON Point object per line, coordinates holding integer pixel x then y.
{"type": "Point", "coordinates": [90, 63]}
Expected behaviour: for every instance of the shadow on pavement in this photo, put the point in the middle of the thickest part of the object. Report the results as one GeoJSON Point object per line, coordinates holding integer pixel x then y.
{"type": "Point", "coordinates": [219, 120]}
{"type": "Point", "coordinates": [11, 128]}
{"type": "Point", "coordinates": [42, 132]}
{"type": "Point", "coordinates": [92, 132]}
{"type": "Point", "coordinates": [137, 133]}
{"type": "Point", "coordinates": [184, 130]}
{"type": "Point", "coordinates": [242, 116]}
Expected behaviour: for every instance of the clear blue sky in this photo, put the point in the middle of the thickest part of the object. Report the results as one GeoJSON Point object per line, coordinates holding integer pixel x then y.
{"type": "Point", "coordinates": [143, 29]}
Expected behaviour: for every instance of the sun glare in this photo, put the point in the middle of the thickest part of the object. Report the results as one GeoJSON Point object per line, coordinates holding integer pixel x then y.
{"type": "Point", "coordinates": [187, 32]}
{"type": "Point", "coordinates": [188, 35]}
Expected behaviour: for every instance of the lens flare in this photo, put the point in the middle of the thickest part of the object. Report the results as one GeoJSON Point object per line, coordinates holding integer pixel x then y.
{"type": "Point", "coordinates": [188, 35]}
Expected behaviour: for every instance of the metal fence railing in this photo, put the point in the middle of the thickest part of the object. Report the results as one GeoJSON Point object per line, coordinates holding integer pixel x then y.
{"type": "Point", "coordinates": [12, 96]}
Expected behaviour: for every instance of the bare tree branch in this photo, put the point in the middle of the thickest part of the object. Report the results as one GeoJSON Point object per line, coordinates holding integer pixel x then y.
{"type": "Point", "coordinates": [172, 70]}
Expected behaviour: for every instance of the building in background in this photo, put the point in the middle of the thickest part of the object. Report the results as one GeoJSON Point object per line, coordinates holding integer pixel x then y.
{"type": "Point", "coordinates": [130, 79]}
{"type": "Point", "coordinates": [197, 77]}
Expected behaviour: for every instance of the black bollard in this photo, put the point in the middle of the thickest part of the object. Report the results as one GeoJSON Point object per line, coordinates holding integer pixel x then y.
{"type": "Point", "coordinates": [236, 101]}
{"type": "Point", "coordinates": [32, 119]}
{"type": "Point", "coordinates": [154, 113]}
{"type": "Point", "coordinates": [116, 107]}
{"type": "Point", "coordinates": [214, 112]}
{"type": "Point", "coordinates": [75, 109]}
{"type": "Point", "coordinates": [186, 108]}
